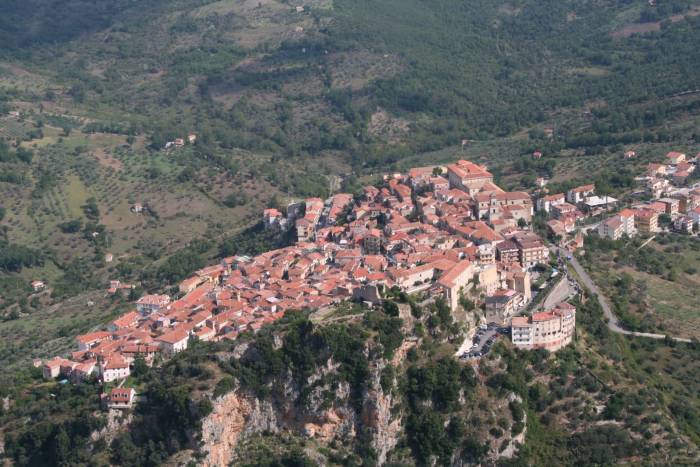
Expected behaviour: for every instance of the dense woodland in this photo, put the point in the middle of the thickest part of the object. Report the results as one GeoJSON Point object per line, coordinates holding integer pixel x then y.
{"type": "Point", "coordinates": [476, 70]}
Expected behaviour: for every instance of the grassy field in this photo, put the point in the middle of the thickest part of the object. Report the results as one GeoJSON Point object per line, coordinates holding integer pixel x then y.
{"type": "Point", "coordinates": [51, 330]}
{"type": "Point", "coordinates": [663, 302]}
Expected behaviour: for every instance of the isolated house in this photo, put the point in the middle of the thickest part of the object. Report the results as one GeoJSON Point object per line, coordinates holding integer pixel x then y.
{"type": "Point", "coordinates": [119, 398]}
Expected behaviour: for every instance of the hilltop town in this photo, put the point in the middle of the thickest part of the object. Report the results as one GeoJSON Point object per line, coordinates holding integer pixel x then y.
{"type": "Point", "coordinates": [441, 232]}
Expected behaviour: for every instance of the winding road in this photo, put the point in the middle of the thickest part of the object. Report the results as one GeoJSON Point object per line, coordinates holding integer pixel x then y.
{"type": "Point", "coordinates": [613, 322]}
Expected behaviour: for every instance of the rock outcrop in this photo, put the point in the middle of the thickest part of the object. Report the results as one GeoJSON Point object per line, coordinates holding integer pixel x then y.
{"type": "Point", "coordinates": [233, 417]}
{"type": "Point", "coordinates": [239, 415]}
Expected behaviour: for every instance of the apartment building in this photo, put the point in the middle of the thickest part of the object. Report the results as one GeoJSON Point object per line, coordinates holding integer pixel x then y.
{"type": "Point", "coordinates": [646, 221]}
{"type": "Point", "coordinates": [508, 252]}
{"type": "Point", "coordinates": [549, 330]}
{"type": "Point", "coordinates": [531, 249]}
{"type": "Point", "coordinates": [579, 194]}
{"type": "Point", "coordinates": [617, 226]}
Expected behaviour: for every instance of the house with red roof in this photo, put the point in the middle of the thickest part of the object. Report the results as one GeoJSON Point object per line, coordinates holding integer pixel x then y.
{"type": "Point", "coordinates": [675, 157]}
{"type": "Point", "coordinates": [87, 341]}
{"type": "Point", "coordinates": [152, 303]}
{"type": "Point", "coordinates": [119, 398]}
{"type": "Point", "coordinates": [127, 320]}
{"type": "Point", "coordinates": [456, 280]}
{"type": "Point", "coordinates": [115, 367]}
{"type": "Point", "coordinates": [174, 341]}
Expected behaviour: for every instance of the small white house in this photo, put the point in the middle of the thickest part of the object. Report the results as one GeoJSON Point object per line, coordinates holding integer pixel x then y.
{"type": "Point", "coordinates": [174, 341]}
{"type": "Point", "coordinates": [115, 368]}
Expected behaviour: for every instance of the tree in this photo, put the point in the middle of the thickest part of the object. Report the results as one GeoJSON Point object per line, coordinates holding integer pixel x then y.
{"type": "Point", "coordinates": [186, 175]}
{"type": "Point", "coordinates": [62, 447]}
{"type": "Point", "coordinates": [390, 308]}
{"type": "Point", "coordinates": [25, 155]}
{"type": "Point", "coordinates": [140, 367]}
{"type": "Point", "coordinates": [91, 209]}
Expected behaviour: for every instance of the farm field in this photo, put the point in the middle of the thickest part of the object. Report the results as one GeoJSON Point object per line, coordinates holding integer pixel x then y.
{"type": "Point", "coordinates": [665, 296]}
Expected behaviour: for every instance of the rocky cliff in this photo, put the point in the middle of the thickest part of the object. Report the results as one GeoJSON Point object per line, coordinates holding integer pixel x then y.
{"type": "Point", "coordinates": [238, 415]}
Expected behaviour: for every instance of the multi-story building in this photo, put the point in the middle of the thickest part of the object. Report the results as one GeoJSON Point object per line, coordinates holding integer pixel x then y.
{"type": "Point", "coordinates": [617, 226]}
{"type": "Point", "coordinates": [305, 229]}
{"type": "Point", "coordinates": [455, 281]}
{"type": "Point", "coordinates": [468, 176]}
{"type": "Point", "coordinates": [562, 210]}
{"type": "Point", "coordinates": [694, 215]}
{"type": "Point", "coordinates": [421, 176]}
{"type": "Point", "coordinates": [508, 252]}
{"type": "Point", "coordinates": [514, 204]}
{"type": "Point", "coordinates": [683, 224]}
{"type": "Point", "coordinates": [486, 254]}
{"type": "Point", "coordinates": [611, 228]}
{"type": "Point", "coordinates": [549, 330]}
{"type": "Point", "coordinates": [672, 205]}
{"type": "Point", "coordinates": [531, 249]}
{"type": "Point", "coordinates": [687, 201]}
{"type": "Point", "coordinates": [502, 305]}
{"type": "Point", "coordinates": [656, 187]}
{"type": "Point", "coordinates": [579, 194]}
{"type": "Point", "coordinates": [414, 279]}
{"type": "Point", "coordinates": [271, 217]}
{"type": "Point", "coordinates": [546, 202]}
{"type": "Point", "coordinates": [174, 341]}
{"type": "Point", "coordinates": [115, 368]}
{"type": "Point", "coordinates": [152, 303]}
{"type": "Point", "coordinates": [646, 221]}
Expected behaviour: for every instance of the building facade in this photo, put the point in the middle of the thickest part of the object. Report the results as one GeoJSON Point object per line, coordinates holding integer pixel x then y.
{"type": "Point", "coordinates": [549, 330]}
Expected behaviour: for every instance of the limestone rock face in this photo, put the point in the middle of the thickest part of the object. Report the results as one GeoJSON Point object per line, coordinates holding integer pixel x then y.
{"type": "Point", "coordinates": [239, 415]}
{"type": "Point", "coordinates": [377, 417]}
{"type": "Point", "coordinates": [233, 416]}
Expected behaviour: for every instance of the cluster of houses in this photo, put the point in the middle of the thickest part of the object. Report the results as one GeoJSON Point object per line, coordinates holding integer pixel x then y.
{"type": "Point", "coordinates": [444, 232]}
{"type": "Point", "coordinates": [666, 187]}
{"type": "Point", "coordinates": [180, 142]}
{"type": "Point", "coordinates": [565, 210]}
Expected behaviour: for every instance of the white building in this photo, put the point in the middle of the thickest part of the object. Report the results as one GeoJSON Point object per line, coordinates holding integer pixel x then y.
{"type": "Point", "coordinates": [114, 369]}
{"type": "Point", "coordinates": [174, 341]}
{"type": "Point", "coordinates": [549, 330]}
{"type": "Point", "coordinates": [151, 303]}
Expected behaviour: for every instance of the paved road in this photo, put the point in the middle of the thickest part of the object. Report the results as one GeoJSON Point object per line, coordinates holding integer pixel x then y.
{"type": "Point", "coordinates": [561, 292]}
{"type": "Point", "coordinates": [613, 322]}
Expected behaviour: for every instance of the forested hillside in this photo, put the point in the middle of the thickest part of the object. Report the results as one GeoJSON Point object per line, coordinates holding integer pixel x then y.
{"type": "Point", "coordinates": [377, 388]}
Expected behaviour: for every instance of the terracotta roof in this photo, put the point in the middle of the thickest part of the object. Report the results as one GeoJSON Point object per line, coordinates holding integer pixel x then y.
{"type": "Point", "coordinates": [174, 336]}
{"type": "Point", "coordinates": [449, 278]}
